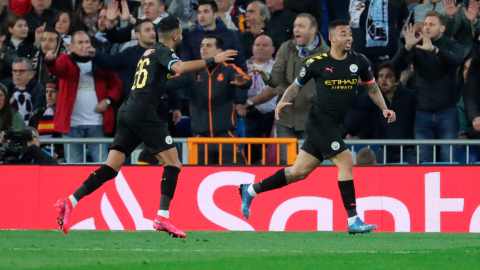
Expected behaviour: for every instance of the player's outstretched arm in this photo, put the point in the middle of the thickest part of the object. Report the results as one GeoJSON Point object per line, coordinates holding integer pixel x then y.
{"type": "Point", "coordinates": [377, 97]}
{"type": "Point", "coordinates": [185, 67]}
{"type": "Point", "coordinates": [288, 97]}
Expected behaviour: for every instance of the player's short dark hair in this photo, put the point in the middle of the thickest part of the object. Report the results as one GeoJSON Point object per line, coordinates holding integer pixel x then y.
{"type": "Point", "coordinates": [167, 25]}
{"type": "Point", "coordinates": [388, 64]}
{"type": "Point", "coordinates": [333, 24]}
{"type": "Point", "coordinates": [138, 25]}
{"type": "Point", "coordinates": [366, 156]}
{"type": "Point", "coordinates": [147, 156]}
{"type": "Point", "coordinates": [440, 16]}
{"type": "Point", "coordinates": [313, 21]}
{"type": "Point", "coordinates": [212, 3]}
{"type": "Point", "coordinates": [218, 41]}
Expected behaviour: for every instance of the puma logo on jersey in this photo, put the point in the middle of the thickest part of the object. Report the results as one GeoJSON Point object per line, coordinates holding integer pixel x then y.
{"type": "Point", "coordinates": [330, 69]}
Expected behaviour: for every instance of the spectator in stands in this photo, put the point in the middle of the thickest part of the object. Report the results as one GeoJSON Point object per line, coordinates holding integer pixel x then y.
{"type": "Point", "coordinates": [41, 13]}
{"type": "Point", "coordinates": [102, 43]}
{"type": "Point", "coordinates": [212, 94]}
{"type": "Point", "coordinates": [6, 14]}
{"type": "Point", "coordinates": [86, 95]}
{"type": "Point", "coordinates": [7, 55]}
{"type": "Point", "coordinates": [471, 96]}
{"type": "Point", "coordinates": [18, 41]}
{"type": "Point", "coordinates": [281, 21]}
{"type": "Point", "coordinates": [42, 120]}
{"type": "Point", "coordinates": [154, 11]}
{"type": "Point", "coordinates": [377, 38]}
{"type": "Point", "coordinates": [66, 25]}
{"type": "Point", "coordinates": [33, 154]}
{"type": "Point", "coordinates": [27, 94]}
{"type": "Point", "coordinates": [209, 23]}
{"type": "Point", "coordinates": [185, 11]}
{"type": "Point", "coordinates": [20, 7]}
{"type": "Point", "coordinates": [293, 55]}
{"type": "Point", "coordinates": [66, 5]}
{"type": "Point", "coordinates": [50, 40]}
{"type": "Point", "coordinates": [365, 156]}
{"type": "Point", "coordinates": [262, 99]}
{"type": "Point", "coordinates": [400, 99]}
{"type": "Point", "coordinates": [437, 115]}
{"type": "Point", "coordinates": [147, 158]}
{"type": "Point", "coordinates": [232, 15]}
{"type": "Point", "coordinates": [8, 118]}
{"type": "Point", "coordinates": [88, 14]}
{"type": "Point", "coordinates": [126, 62]}
{"type": "Point", "coordinates": [417, 15]}
{"type": "Point", "coordinates": [256, 19]}
{"type": "Point", "coordinates": [461, 22]}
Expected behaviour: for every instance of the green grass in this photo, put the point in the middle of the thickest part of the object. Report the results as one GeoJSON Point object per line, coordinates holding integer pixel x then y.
{"type": "Point", "coordinates": [22, 249]}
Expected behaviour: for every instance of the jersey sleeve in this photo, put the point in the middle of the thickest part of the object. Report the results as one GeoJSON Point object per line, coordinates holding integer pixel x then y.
{"type": "Point", "coordinates": [167, 57]}
{"type": "Point", "coordinates": [365, 70]}
{"type": "Point", "coordinates": [306, 73]}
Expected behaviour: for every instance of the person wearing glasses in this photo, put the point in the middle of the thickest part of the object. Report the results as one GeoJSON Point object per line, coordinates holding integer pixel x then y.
{"type": "Point", "coordinates": [26, 94]}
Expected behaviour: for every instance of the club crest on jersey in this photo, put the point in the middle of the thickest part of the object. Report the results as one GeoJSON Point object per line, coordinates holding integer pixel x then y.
{"type": "Point", "coordinates": [169, 140]}
{"type": "Point", "coordinates": [174, 55]}
{"type": "Point", "coordinates": [353, 68]}
{"type": "Point", "coordinates": [220, 77]}
{"type": "Point", "coordinates": [147, 52]}
{"type": "Point", "coordinates": [335, 146]}
{"type": "Point", "coordinates": [303, 72]}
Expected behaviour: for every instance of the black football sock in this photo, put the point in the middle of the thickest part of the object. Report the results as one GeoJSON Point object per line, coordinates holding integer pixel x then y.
{"type": "Point", "coordinates": [168, 186]}
{"type": "Point", "coordinates": [277, 180]}
{"type": "Point", "coordinates": [94, 181]}
{"type": "Point", "coordinates": [347, 189]}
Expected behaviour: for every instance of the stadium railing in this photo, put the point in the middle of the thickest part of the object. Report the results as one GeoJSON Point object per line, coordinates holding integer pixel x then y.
{"type": "Point", "coordinates": [354, 146]}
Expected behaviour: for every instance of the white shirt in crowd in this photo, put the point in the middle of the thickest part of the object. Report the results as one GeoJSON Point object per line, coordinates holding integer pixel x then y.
{"type": "Point", "coordinates": [258, 85]}
{"type": "Point", "coordinates": [87, 101]}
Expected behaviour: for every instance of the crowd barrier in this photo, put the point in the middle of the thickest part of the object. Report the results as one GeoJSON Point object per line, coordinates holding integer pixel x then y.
{"type": "Point", "coordinates": [396, 198]}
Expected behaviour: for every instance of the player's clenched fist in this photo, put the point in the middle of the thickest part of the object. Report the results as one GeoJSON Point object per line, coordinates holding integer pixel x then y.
{"type": "Point", "coordinates": [390, 115]}
{"type": "Point", "coordinates": [227, 55]}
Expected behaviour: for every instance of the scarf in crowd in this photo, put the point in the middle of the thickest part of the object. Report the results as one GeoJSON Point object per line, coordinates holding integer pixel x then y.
{"type": "Point", "coordinates": [305, 51]}
{"type": "Point", "coordinates": [45, 126]}
{"type": "Point", "coordinates": [376, 23]}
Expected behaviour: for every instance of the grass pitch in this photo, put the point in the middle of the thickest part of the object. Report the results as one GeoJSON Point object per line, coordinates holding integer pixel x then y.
{"type": "Point", "coordinates": [27, 249]}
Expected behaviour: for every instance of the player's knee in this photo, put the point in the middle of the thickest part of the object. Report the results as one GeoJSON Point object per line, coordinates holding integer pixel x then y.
{"type": "Point", "coordinates": [347, 165]}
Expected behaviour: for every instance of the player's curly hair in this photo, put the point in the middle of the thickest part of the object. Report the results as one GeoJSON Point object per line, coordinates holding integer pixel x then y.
{"type": "Point", "coordinates": [167, 26]}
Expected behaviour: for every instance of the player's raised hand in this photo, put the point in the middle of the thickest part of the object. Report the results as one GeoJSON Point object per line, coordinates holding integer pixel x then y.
{"type": "Point", "coordinates": [240, 80]}
{"type": "Point", "coordinates": [390, 115]}
{"type": "Point", "coordinates": [410, 38]}
{"type": "Point", "coordinates": [227, 55]}
{"type": "Point", "coordinates": [280, 105]}
{"type": "Point", "coordinates": [50, 56]}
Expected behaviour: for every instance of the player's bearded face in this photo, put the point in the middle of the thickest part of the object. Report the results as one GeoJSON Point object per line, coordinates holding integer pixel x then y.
{"type": "Point", "coordinates": [342, 38]}
{"type": "Point", "coordinates": [178, 38]}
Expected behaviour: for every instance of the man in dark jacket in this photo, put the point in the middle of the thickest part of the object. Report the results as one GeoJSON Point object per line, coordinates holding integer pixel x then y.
{"type": "Point", "coordinates": [281, 21]}
{"type": "Point", "coordinates": [25, 92]}
{"type": "Point", "coordinates": [402, 101]}
{"type": "Point", "coordinates": [435, 65]}
{"type": "Point", "coordinates": [41, 13]}
{"type": "Point", "coordinates": [126, 63]}
{"type": "Point", "coordinates": [212, 101]}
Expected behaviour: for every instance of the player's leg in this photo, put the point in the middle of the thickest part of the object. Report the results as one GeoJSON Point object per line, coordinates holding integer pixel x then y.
{"type": "Point", "coordinates": [304, 165]}
{"type": "Point", "coordinates": [344, 162]}
{"type": "Point", "coordinates": [124, 143]}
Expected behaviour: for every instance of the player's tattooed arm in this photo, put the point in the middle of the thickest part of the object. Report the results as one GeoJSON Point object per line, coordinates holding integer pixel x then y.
{"type": "Point", "coordinates": [287, 98]}
{"type": "Point", "coordinates": [376, 95]}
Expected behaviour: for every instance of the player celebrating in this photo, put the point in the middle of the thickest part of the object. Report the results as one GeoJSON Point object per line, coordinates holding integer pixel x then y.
{"type": "Point", "coordinates": [336, 77]}
{"type": "Point", "coordinates": [138, 122]}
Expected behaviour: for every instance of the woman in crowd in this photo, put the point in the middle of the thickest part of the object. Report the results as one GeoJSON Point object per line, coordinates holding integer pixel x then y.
{"type": "Point", "coordinates": [8, 118]}
{"type": "Point", "coordinates": [18, 37]}
{"type": "Point", "coordinates": [88, 14]}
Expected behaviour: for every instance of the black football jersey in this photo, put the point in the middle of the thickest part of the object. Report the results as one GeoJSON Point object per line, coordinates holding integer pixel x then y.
{"type": "Point", "coordinates": [152, 74]}
{"type": "Point", "coordinates": [336, 82]}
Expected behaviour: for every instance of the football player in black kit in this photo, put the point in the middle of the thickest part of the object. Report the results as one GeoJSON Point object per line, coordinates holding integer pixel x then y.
{"type": "Point", "coordinates": [138, 122]}
{"type": "Point", "coordinates": [336, 76]}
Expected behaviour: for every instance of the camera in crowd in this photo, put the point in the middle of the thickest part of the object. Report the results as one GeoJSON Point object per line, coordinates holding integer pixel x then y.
{"type": "Point", "coordinates": [14, 144]}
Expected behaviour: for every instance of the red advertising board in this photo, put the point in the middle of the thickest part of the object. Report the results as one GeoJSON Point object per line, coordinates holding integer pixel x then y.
{"type": "Point", "coordinates": [402, 199]}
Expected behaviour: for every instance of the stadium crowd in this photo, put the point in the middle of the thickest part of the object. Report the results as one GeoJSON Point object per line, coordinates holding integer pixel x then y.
{"type": "Point", "coordinates": [67, 65]}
